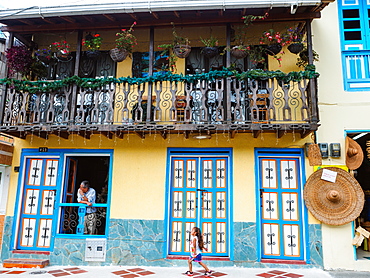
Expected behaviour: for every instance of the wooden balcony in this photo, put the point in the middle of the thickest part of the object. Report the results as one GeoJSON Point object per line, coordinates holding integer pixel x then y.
{"type": "Point", "coordinates": [223, 104]}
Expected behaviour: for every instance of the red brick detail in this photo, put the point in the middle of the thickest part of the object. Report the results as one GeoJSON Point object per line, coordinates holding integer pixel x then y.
{"type": "Point", "coordinates": [61, 274]}
{"type": "Point", "coordinates": [31, 252]}
{"type": "Point", "coordinates": [147, 272]}
{"type": "Point", "coordinates": [78, 271]}
{"type": "Point", "coordinates": [119, 272]}
{"type": "Point", "coordinates": [131, 275]}
{"type": "Point", "coordinates": [277, 272]}
{"type": "Point", "coordinates": [266, 275]}
{"type": "Point", "coordinates": [15, 272]}
{"type": "Point", "coordinates": [135, 269]}
{"type": "Point", "coordinates": [218, 274]}
{"type": "Point", "coordinates": [273, 261]}
{"type": "Point", "coordinates": [293, 275]}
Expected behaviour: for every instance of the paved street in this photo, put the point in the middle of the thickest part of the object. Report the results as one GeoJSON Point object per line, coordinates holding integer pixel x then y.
{"type": "Point", "coordinates": [164, 272]}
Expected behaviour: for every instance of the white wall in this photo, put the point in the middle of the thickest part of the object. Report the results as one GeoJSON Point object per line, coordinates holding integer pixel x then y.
{"type": "Point", "coordinates": [340, 111]}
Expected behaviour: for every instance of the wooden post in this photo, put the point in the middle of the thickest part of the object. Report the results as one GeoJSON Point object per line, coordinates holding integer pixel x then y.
{"type": "Point", "coordinates": [74, 87]}
{"type": "Point", "coordinates": [312, 85]}
{"type": "Point", "coordinates": [150, 84]}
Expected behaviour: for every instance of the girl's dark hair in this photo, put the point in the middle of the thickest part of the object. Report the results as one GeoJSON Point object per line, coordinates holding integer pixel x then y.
{"type": "Point", "coordinates": [199, 235]}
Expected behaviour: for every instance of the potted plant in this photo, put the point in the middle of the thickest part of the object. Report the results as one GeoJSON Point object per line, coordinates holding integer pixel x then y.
{"type": "Point", "coordinates": [296, 37]}
{"type": "Point", "coordinates": [240, 50]}
{"type": "Point", "coordinates": [125, 42]}
{"type": "Point", "coordinates": [275, 41]}
{"type": "Point", "coordinates": [63, 52]}
{"type": "Point", "coordinates": [302, 60]}
{"type": "Point", "coordinates": [44, 55]}
{"type": "Point", "coordinates": [211, 47]}
{"type": "Point", "coordinates": [19, 60]}
{"type": "Point", "coordinates": [179, 48]}
{"type": "Point", "coordinates": [93, 44]}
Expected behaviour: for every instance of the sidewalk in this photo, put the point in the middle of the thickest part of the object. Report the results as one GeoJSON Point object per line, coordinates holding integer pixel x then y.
{"type": "Point", "coordinates": [168, 272]}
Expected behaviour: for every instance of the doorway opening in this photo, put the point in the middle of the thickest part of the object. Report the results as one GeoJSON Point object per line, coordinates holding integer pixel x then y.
{"type": "Point", "coordinates": [362, 176]}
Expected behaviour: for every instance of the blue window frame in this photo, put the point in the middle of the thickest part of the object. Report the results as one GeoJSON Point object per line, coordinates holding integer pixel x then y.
{"type": "Point", "coordinates": [47, 188]}
{"type": "Point", "coordinates": [354, 18]}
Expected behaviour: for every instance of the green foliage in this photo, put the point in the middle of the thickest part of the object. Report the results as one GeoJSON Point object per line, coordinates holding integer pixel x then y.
{"type": "Point", "coordinates": [96, 83]}
{"type": "Point", "coordinates": [210, 42]}
{"type": "Point", "coordinates": [125, 39]}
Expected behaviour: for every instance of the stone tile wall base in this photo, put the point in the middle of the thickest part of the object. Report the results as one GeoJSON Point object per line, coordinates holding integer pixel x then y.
{"type": "Point", "coordinates": [142, 243]}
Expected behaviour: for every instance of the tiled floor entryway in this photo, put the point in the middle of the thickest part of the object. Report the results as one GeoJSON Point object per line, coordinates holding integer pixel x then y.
{"type": "Point", "coordinates": [278, 274]}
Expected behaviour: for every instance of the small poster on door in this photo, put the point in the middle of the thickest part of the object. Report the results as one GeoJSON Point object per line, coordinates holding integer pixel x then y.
{"type": "Point", "coordinates": [329, 175]}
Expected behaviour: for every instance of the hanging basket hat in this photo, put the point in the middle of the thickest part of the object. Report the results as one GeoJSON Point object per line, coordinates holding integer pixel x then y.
{"type": "Point", "coordinates": [354, 154]}
{"type": "Point", "coordinates": [334, 203]}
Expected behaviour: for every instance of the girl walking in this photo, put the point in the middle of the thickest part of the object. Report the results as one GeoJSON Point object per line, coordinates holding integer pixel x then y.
{"type": "Point", "coordinates": [196, 245]}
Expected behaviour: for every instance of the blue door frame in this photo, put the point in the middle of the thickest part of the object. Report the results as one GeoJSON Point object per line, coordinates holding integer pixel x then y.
{"type": "Point", "coordinates": [281, 215]}
{"type": "Point", "coordinates": [198, 194]}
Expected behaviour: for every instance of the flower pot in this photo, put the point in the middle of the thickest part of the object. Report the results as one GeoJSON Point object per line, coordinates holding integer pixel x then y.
{"type": "Point", "coordinates": [62, 56]}
{"type": "Point", "coordinates": [295, 48]}
{"type": "Point", "coordinates": [210, 52]}
{"type": "Point", "coordinates": [182, 50]}
{"type": "Point", "coordinates": [92, 54]}
{"type": "Point", "coordinates": [118, 55]}
{"type": "Point", "coordinates": [239, 53]}
{"type": "Point", "coordinates": [273, 49]}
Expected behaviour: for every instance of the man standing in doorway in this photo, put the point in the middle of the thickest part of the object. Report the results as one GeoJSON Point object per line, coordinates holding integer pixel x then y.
{"type": "Point", "coordinates": [86, 195]}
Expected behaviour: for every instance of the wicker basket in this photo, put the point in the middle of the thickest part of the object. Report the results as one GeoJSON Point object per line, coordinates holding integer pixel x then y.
{"type": "Point", "coordinates": [314, 155]}
{"type": "Point", "coordinates": [118, 55]}
{"type": "Point", "coordinates": [182, 50]}
{"type": "Point", "coordinates": [210, 52]}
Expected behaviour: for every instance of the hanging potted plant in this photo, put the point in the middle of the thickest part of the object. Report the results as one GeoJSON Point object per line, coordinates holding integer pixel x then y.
{"type": "Point", "coordinates": [275, 41]}
{"type": "Point", "coordinates": [93, 44]}
{"type": "Point", "coordinates": [296, 37]}
{"type": "Point", "coordinates": [179, 48]}
{"type": "Point", "coordinates": [211, 47]}
{"type": "Point", "coordinates": [63, 52]}
{"type": "Point", "coordinates": [240, 50]}
{"type": "Point", "coordinates": [124, 44]}
{"type": "Point", "coordinates": [45, 55]}
{"type": "Point", "coordinates": [19, 60]}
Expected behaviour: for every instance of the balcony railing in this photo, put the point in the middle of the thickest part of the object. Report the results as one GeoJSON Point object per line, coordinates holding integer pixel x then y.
{"type": "Point", "coordinates": [118, 106]}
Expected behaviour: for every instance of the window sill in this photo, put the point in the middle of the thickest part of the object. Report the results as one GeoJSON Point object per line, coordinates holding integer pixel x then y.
{"type": "Point", "coordinates": [274, 261]}
{"type": "Point", "coordinates": [33, 252]}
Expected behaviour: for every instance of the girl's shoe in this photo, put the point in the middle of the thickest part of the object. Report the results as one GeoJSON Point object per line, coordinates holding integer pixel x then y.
{"type": "Point", "coordinates": [189, 273]}
{"type": "Point", "coordinates": [208, 273]}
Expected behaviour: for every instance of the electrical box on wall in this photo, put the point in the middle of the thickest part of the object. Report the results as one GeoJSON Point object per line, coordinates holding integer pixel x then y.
{"type": "Point", "coordinates": [95, 249]}
{"type": "Point", "coordinates": [324, 149]}
{"type": "Point", "coordinates": [335, 149]}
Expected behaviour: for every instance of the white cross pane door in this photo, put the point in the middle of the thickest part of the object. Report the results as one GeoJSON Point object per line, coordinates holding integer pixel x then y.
{"type": "Point", "coordinates": [199, 197]}
{"type": "Point", "coordinates": [37, 215]}
{"type": "Point", "coordinates": [281, 211]}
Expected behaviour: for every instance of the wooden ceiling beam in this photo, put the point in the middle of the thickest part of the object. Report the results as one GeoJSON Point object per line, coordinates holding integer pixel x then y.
{"type": "Point", "coordinates": [109, 17]}
{"type": "Point", "coordinates": [48, 20]}
{"type": "Point", "coordinates": [68, 19]}
{"type": "Point", "coordinates": [155, 15]}
{"type": "Point", "coordinates": [134, 16]}
{"type": "Point", "coordinates": [26, 21]}
{"type": "Point", "coordinates": [196, 20]}
{"type": "Point", "coordinates": [177, 14]}
{"type": "Point", "coordinates": [88, 18]}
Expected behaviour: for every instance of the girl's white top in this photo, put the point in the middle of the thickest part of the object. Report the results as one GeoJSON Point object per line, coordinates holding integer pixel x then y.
{"type": "Point", "coordinates": [197, 249]}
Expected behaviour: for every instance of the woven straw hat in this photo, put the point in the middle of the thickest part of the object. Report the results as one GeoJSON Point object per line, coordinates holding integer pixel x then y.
{"type": "Point", "coordinates": [334, 203]}
{"type": "Point", "coordinates": [354, 154]}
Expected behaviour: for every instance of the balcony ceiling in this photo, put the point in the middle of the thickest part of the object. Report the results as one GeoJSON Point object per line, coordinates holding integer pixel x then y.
{"type": "Point", "coordinates": [153, 13]}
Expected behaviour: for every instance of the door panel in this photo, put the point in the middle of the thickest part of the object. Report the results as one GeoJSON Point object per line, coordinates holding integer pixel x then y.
{"type": "Point", "coordinates": [198, 197]}
{"type": "Point", "coordinates": [37, 213]}
{"type": "Point", "coordinates": [281, 208]}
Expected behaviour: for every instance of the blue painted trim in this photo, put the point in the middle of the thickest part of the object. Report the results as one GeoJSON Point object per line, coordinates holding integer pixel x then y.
{"type": "Point", "coordinates": [288, 152]}
{"type": "Point", "coordinates": [199, 151]}
{"type": "Point", "coordinates": [60, 153]}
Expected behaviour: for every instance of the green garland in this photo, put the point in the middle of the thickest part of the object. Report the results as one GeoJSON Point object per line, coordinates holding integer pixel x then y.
{"type": "Point", "coordinates": [95, 83]}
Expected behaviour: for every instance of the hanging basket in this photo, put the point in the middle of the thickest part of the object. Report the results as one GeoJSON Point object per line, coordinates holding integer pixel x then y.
{"type": "Point", "coordinates": [273, 49]}
{"type": "Point", "coordinates": [62, 57]}
{"type": "Point", "coordinates": [295, 48]}
{"type": "Point", "coordinates": [210, 52]}
{"type": "Point", "coordinates": [92, 54]}
{"type": "Point", "coordinates": [46, 59]}
{"type": "Point", "coordinates": [182, 50]}
{"type": "Point", "coordinates": [239, 53]}
{"type": "Point", "coordinates": [314, 155]}
{"type": "Point", "coordinates": [118, 55]}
